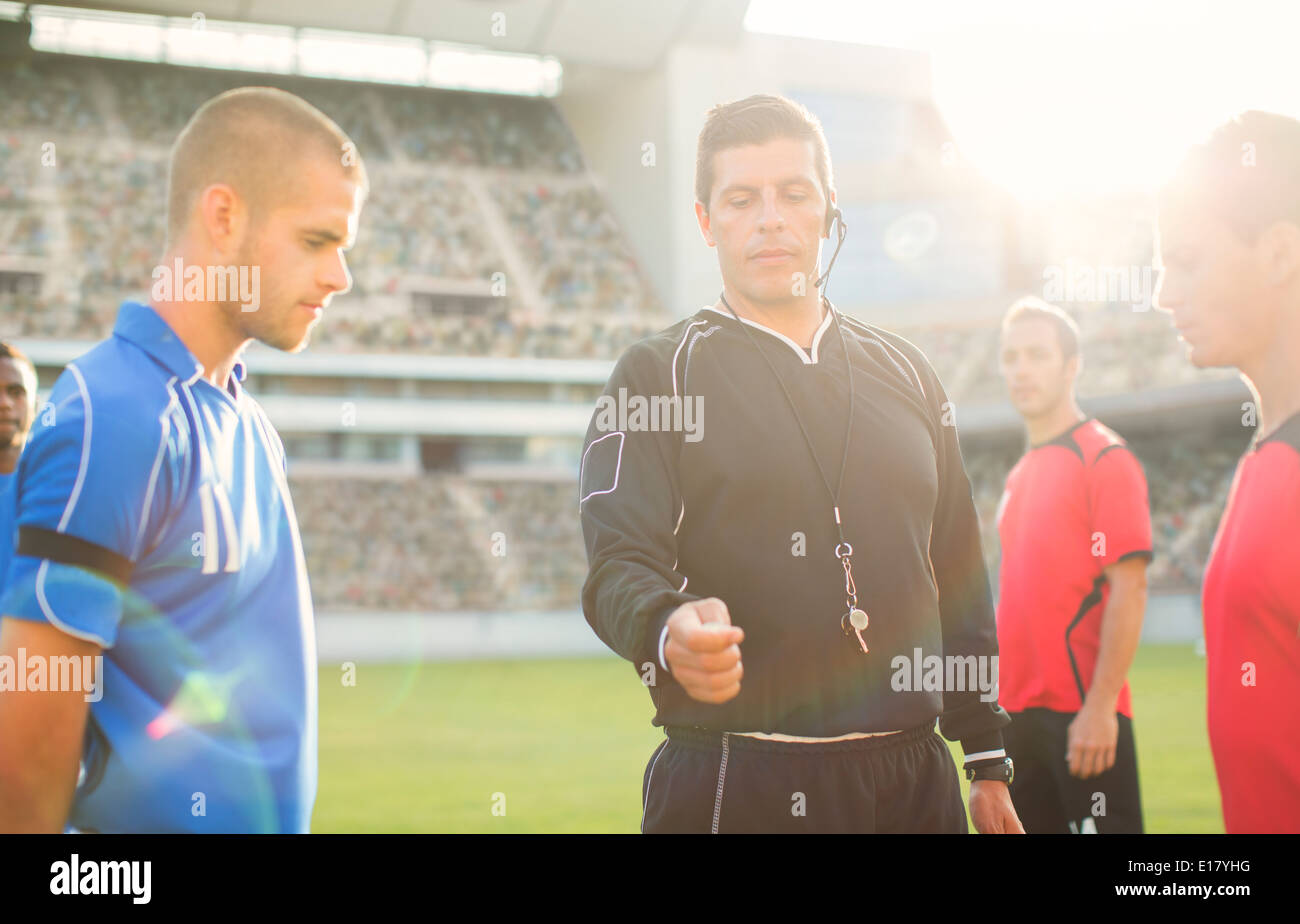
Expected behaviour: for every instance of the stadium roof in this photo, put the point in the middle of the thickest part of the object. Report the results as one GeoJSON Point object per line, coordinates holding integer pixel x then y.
{"type": "Point", "coordinates": [623, 34]}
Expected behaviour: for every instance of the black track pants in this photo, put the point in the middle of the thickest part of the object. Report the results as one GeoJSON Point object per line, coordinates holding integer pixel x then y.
{"type": "Point", "coordinates": [700, 782]}
{"type": "Point", "coordinates": [1051, 801]}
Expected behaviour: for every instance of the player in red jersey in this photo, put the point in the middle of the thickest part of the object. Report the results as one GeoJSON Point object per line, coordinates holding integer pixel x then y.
{"type": "Point", "coordinates": [1075, 531]}
{"type": "Point", "coordinates": [1230, 277]}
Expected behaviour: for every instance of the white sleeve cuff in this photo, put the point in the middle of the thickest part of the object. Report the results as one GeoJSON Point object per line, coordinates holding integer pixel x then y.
{"type": "Point", "coordinates": [663, 640]}
{"type": "Point", "coordinates": [985, 755]}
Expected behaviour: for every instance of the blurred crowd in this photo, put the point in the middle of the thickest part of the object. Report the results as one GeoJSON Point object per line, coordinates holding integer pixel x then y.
{"type": "Point", "coordinates": [116, 229]}
{"type": "Point", "coordinates": [590, 336]}
{"type": "Point", "coordinates": [574, 245]}
{"type": "Point", "coordinates": [418, 224]}
{"type": "Point", "coordinates": [1123, 350]}
{"type": "Point", "coordinates": [512, 133]}
{"type": "Point", "coordinates": [23, 230]}
{"type": "Point", "coordinates": [1188, 488]}
{"type": "Point", "coordinates": [148, 103]}
{"type": "Point", "coordinates": [54, 95]}
{"type": "Point", "coordinates": [441, 543]}
{"type": "Point", "coordinates": [424, 232]}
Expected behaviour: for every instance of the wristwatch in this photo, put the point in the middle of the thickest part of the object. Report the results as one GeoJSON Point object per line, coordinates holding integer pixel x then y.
{"type": "Point", "coordinates": [1003, 771]}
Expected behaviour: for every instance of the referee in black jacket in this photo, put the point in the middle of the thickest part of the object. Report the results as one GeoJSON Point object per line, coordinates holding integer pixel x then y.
{"type": "Point", "coordinates": [781, 535]}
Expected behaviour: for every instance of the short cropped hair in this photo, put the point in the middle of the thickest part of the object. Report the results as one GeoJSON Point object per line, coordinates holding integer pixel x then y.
{"type": "Point", "coordinates": [254, 139]}
{"type": "Point", "coordinates": [1067, 331]}
{"type": "Point", "coordinates": [1246, 172]}
{"type": "Point", "coordinates": [756, 120]}
{"type": "Point", "coordinates": [9, 351]}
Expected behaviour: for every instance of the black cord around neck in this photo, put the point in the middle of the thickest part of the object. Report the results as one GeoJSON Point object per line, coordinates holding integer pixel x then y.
{"type": "Point", "coordinates": [848, 429]}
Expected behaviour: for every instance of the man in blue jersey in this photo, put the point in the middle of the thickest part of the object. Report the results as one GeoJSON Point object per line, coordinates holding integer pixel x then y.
{"type": "Point", "coordinates": [155, 526]}
{"type": "Point", "coordinates": [17, 407]}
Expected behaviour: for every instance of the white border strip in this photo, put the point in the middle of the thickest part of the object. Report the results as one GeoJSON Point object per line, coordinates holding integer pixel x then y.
{"type": "Point", "coordinates": [164, 425]}
{"type": "Point", "coordinates": [618, 466]}
{"type": "Point", "coordinates": [646, 802]}
{"type": "Point", "coordinates": [803, 357]}
{"type": "Point", "coordinates": [56, 621]}
{"type": "Point", "coordinates": [672, 370]}
{"type": "Point", "coordinates": [985, 755]}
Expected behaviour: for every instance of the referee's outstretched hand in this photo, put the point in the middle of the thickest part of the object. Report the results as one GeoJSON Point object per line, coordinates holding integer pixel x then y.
{"type": "Point", "coordinates": [703, 650]}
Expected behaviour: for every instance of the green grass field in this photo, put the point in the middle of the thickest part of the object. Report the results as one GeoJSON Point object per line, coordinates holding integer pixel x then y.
{"type": "Point", "coordinates": [425, 747]}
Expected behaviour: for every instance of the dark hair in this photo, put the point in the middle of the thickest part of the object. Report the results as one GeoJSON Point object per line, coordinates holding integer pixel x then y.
{"type": "Point", "coordinates": [9, 351]}
{"type": "Point", "coordinates": [1033, 307]}
{"type": "Point", "coordinates": [756, 120]}
{"type": "Point", "coordinates": [1247, 172]}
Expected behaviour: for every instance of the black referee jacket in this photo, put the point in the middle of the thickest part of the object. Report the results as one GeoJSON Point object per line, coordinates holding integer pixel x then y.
{"type": "Point", "coordinates": [735, 508]}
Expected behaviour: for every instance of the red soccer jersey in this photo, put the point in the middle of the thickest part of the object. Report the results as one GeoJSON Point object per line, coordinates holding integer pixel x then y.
{"type": "Point", "coordinates": [1072, 506]}
{"type": "Point", "coordinates": [1251, 597]}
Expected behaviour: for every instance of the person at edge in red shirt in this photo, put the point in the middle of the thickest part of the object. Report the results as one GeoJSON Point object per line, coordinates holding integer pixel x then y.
{"type": "Point", "coordinates": [1229, 244]}
{"type": "Point", "coordinates": [1075, 531]}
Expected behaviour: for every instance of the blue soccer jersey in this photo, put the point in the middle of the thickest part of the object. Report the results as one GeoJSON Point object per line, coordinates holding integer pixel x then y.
{"type": "Point", "coordinates": [154, 519]}
{"type": "Point", "coordinates": [6, 525]}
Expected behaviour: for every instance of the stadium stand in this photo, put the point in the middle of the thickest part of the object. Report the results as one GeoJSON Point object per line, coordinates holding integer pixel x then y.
{"type": "Point", "coordinates": [430, 543]}
{"type": "Point", "coordinates": [53, 93]}
{"type": "Point", "coordinates": [573, 242]}
{"type": "Point", "coordinates": [466, 181]}
{"type": "Point", "coordinates": [454, 128]}
{"type": "Point", "coordinates": [396, 239]}
{"type": "Point", "coordinates": [1123, 351]}
{"type": "Point", "coordinates": [23, 230]}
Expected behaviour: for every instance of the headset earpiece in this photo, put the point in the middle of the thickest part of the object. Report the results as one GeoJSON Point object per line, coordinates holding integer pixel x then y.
{"type": "Point", "coordinates": [830, 220]}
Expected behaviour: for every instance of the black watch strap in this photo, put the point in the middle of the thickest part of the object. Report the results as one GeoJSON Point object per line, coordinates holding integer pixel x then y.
{"type": "Point", "coordinates": [1002, 771]}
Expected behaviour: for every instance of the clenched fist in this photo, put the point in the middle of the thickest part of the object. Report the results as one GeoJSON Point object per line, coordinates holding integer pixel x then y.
{"type": "Point", "coordinates": [703, 650]}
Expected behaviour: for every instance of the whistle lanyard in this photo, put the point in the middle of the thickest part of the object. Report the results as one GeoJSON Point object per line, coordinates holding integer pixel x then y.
{"type": "Point", "coordinates": [854, 619]}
